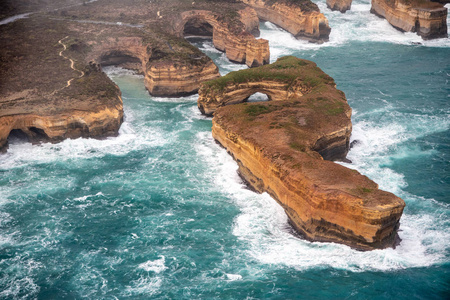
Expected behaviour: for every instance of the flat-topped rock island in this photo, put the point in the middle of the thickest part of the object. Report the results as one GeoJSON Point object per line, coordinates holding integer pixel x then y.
{"type": "Point", "coordinates": [284, 147]}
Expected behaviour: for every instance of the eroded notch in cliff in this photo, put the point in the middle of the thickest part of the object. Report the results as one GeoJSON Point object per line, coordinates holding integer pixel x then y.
{"type": "Point", "coordinates": [17, 136]}
{"type": "Point", "coordinates": [198, 27]}
{"type": "Point", "coordinates": [121, 59]}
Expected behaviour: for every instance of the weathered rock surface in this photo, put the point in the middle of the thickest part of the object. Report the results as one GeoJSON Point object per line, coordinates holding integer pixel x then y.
{"type": "Point", "coordinates": [282, 147]}
{"type": "Point", "coordinates": [301, 18]}
{"type": "Point", "coordinates": [68, 123]}
{"type": "Point", "coordinates": [239, 44]}
{"type": "Point", "coordinates": [340, 5]}
{"type": "Point", "coordinates": [53, 86]}
{"type": "Point", "coordinates": [428, 19]}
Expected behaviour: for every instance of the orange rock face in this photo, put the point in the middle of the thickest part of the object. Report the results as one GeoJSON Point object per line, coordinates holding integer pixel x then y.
{"type": "Point", "coordinates": [428, 19]}
{"type": "Point", "coordinates": [241, 47]}
{"type": "Point", "coordinates": [102, 122]}
{"type": "Point", "coordinates": [162, 76]}
{"type": "Point", "coordinates": [340, 5]}
{"type": "Point", "coordinates": [171, 79]}
{"type": "Point", "coordinates": [304, 20]}
{"type": "Point", "coordinates": [283, 148]}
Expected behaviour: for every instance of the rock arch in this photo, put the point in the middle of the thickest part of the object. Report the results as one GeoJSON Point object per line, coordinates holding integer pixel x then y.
{"type": "Point", "coordinates": [241, 47]}
{"type": "Point", "coordinates": [122, 59]}
{"type": "Point", "coordinates": [164, 75]}
{"type": "Point", "coordinates": [198, 27]}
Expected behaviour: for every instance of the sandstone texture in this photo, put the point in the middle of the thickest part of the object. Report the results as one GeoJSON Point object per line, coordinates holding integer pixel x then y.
{"type": "Point", "coordinates": [239, 44]}
{"type": "Point", "coordinates": [301, 18]}
{"type": "Point", "coordinates": [340, 5]}
{"type": "Point", "coordinates": [427, 19]}
{"type": "Point", "coordinates": [283, 147]}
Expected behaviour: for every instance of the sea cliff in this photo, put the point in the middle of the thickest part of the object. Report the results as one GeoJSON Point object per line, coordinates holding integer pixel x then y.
{"type": "Point", "coordinates": [283, 147]}
{"type": "Point", "coordinates": [427, 19]}
{"type": "Point", "coordinates": [302, 19]}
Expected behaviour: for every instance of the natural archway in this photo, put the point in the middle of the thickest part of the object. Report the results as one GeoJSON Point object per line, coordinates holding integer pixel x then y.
{"type": "Point", "coordinates": [121, 59]}
{"type": "Point", "coordinates": [30, 134]}
{"type": "Point", "coordinates": [17, 136]}
{"type": "Point", "coordinates": [258, 97]}
{"type": "Point", "coordinates": [198, 27]}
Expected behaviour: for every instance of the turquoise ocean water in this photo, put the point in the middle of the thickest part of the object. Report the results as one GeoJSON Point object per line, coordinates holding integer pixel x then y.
{"type": "Point", "coordinates": [160, 213]}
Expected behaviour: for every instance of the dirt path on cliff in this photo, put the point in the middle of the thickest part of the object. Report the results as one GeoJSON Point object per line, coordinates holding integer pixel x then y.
{"type": "Point", "coordinates": [72, 66]}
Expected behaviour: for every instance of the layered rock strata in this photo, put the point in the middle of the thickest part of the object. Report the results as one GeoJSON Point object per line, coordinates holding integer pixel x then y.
{"type": "Point", "coordinates": [427, 19]}
{"type": "Point", "coordinates": [283, 146]}
{"type": "Point", "coordinates": [301, 18]}
{"type": "Point", "coordinates": [340, 5]}
{"type": "Point", "coordinates": [239, 44]}
{"type": "Point", "coordinates": [53, 86]}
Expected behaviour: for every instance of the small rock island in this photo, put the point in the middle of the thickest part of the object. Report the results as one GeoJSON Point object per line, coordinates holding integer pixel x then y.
{"type": "Point", "coordinates": [285, 147]}
{"type": "Point", "coordinates": [425, 17]}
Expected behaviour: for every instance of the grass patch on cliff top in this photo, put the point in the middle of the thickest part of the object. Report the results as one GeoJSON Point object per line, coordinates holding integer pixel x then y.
{"type": "Point", "coordinates": [286, 69]}
{"type": "Point", "coordinates": [304, 5]}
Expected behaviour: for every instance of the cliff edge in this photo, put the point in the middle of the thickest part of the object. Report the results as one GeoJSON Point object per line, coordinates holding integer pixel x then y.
{"type": "Point", "coordinates": [427, 19]}
{"type": "Point", "coordinates": [283, 147]}
{"type": "Point", "coordinates": [301, 18]}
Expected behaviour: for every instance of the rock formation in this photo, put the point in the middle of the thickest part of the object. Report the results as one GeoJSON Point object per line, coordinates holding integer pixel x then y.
{"type": "Point", "coordinates": [301, 18]}
{"type": "Point", "coordinates": [283, 146]}
{"type": "Point", "coordinates": [428, 19]}
{"type": "Point", "coordinates": [165, 74]}
{"type": "Point", "coordinates": [53, 86]}
{"type": "Point", "coordinates": [340, 5]}
{"type": "Point", "coordinates": [239, 44]}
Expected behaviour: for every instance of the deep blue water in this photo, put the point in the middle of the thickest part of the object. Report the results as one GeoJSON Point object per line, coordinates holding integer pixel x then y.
{"type": "Point", "coordinates": [159, 211]}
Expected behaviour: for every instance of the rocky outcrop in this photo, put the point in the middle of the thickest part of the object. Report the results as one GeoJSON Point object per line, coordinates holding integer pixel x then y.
{"type": "Point", "coordinates": [172, 79]}
{"type": "Point", "coordinates": [301, 18]}
{"type": "Point", "coordinates": [100, 122]}
{"type": "Point", "coordinates": [427, 19]}
{"type": "Point", "coordinates": [340, 5]}
{"type": "Point", "coordinates": [238, 43]}
{"type": "Point", "coordinates": [164, 74]}
{"type": "Point", "coordinates": [282, 147]}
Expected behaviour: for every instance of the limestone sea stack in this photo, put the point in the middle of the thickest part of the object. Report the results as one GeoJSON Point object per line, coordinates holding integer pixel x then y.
{"type": "Point", "coordinates": [427, 19]}
{"type": "Point", "coordinates": [301, 18]}
{"type": "Point", "coordinates": [284, 147]}
{"type": "Point", "coordinates": [232, 33]}
{"type": "Point", "coordinates": [340, 5]}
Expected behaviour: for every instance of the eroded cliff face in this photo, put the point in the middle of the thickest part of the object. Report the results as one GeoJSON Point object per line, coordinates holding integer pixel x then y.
{"type": "Point", "coordinates": [100, 122]}
{"type": "Point", "coordinates": [340, 5]}
{"type": "Point", "coordinates": [428, 19]}
{"type": "Point", "coordinates": [171, 79]}
{"type": "Point", "coordinates": [164, 75]}
{"type": "Point", "coordinates": [283, 148]}
{"type": "Point", "coordinates": [301, 19]}
{"type": "Point", "coordinates": [239, 44]}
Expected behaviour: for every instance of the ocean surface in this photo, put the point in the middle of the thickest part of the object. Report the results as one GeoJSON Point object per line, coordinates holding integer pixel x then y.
{"type": "Point", "coordinates": [160, 213]}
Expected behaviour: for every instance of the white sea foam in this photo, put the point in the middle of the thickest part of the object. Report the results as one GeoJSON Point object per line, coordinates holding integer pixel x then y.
{"type": "Point", "coordinates": [357, 24]}
{"type": "Point", "coordinates": [130, 138]}
{"type": "Point", "coordinates": [84, 198]}
{"type": "Point", "coordinates": [234, 277]}
{"type": "Point", "coordinates": [144, 286]}
{"type": "Point", "coordinates": [22, 288]}
{"type": "Point", "coordinates": [263, 225]}
{"type": "Point", "coordinates": [191, 98]}
{"type": "Point", "coordinates": [156, 266]}
{"type": "Point", "coordinates": [114, 71]}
